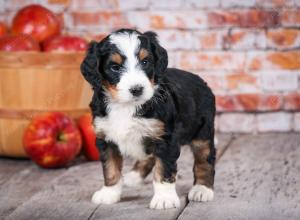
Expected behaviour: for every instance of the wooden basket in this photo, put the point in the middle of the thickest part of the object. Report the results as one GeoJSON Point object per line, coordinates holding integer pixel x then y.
{"type": "Point", "coordinates": [32, 83]}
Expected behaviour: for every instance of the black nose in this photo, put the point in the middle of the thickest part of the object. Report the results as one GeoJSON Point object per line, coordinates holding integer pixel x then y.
{"type": "Point", "coordinates": [136, 90]}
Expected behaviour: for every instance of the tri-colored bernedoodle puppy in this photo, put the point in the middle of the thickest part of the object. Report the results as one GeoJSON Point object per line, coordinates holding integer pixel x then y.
{"type": "Point", "coordinates": [145, 110]}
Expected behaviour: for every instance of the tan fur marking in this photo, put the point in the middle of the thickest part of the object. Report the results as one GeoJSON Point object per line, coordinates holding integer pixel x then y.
{"type": "Point", "coordinates": [110, 88]}
{"type": "Point", "coordinates": [159, 130]}
{"type": "Point", "coordinates": [158, 170]}
{"type": "Point", "coordinates": [143, 54]}
{"type": "Point", "coordinates": [203, 171]}
{"type": "Point", "coordinates": [117, 58]}
{"type": "Point", "coordinates": [144, 167]}
{"type": "Point", "coordinates": [112, 168]}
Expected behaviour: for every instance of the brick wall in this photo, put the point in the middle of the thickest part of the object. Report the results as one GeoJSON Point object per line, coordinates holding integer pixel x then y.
{"type": "Point", "coordinates": [247, 50]}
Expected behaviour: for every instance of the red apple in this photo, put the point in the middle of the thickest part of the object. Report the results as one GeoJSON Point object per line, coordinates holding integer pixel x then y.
{"type": "Point", "coordinates": [18, 43]}
{"type": "Point", "coordinates": [65, 43]}
{"type": "Point", "coordinates": [3, 29]}
{"type": "Point", "coordinates": [37, 21]}
{"type": "Point", "coordinates": [52, 140]}
{"type": "Point", "coordinates": [90, 150]}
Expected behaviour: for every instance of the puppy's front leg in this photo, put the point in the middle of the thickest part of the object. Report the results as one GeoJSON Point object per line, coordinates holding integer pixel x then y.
{"type": "Point", "coordinates": [165, 195]}
{"type": "Point", "coordinates": [112, 166]}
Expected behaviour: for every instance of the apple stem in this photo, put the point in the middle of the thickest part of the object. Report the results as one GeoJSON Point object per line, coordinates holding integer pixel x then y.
{"type": "Point", "coordinates": [60, 137]}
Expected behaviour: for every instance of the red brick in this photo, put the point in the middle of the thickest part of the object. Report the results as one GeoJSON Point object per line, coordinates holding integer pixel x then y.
{"type": "Point", "coordinates": [241, 81]}
{"type": "Point", "coordinates": [274, 60]}
{"type": "Point", "coordinates": [246, 39]}
{"type": "Point", "coordinates": [283, 38]}
{"type": "Point", "coordinates": [275, 3]}
{"type": "Point", "coordinates": [178, 19]}
{"type": "Point", "coordinates": [210, 39]}
{"type": "Point", "coordinates": [292, 101]}
{"type": "Point", "coordinates": [211, 60]}
{"type": "Point", "coordinates": [258, 102]}
{"type": "Point", "coordinates": [290, 17]}
{"type": "Point", "coordinates": [111, 19]}
{"type": "Point", "coordinates": [225, 103]}
{"type": "Point", "coordinates": [243, 18]}
{"type": "Point", "coordinates": [249, 102]}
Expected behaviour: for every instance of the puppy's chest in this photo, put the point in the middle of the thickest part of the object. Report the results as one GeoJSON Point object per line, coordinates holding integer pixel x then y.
{"type": "Point", "coordinates": [128, 131]}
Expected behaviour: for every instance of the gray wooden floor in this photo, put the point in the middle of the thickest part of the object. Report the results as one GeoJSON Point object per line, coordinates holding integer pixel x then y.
{"type": "Point", "coordinates": [257, 177]}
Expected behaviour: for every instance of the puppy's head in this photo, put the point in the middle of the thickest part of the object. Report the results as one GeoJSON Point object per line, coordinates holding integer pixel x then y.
{"type": "Point", "coordinates": [126, 64]}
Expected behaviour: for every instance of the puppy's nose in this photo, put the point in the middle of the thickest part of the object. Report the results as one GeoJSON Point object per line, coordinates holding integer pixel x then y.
{"type": "Point", "coordinates": [136, 90]}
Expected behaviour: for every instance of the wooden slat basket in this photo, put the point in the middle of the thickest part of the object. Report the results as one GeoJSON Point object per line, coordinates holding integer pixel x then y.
{"type": "Point", "coordinates": [32, 83]}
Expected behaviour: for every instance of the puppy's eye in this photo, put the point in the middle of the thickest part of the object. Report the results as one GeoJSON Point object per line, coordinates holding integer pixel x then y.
{"type": "Point", "coordinates": [115, 68]}
{"type": "Point", "coordinates": [145, 62]}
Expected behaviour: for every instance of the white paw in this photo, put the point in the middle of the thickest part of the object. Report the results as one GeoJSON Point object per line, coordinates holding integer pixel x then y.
{"type": "Point", "coordinates": [201, 193]}
{"type": "Point", "coordinates": [108, 194]}
{"type": "Point", "coordinates": [165, 196]}
{"type": "Point", "coordinates": [132, 179]}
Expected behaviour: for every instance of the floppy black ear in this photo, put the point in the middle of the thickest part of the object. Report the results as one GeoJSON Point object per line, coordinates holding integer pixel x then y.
{"type": "Point", "coordinates": [89, 66]}
{"type": "Point", "coordinates": [160, 54]}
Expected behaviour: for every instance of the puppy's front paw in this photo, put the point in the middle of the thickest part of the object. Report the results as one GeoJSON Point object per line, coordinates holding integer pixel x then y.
{"type": "Point", "coordinates": [201, 193]}
{"type": "Point", "coordinates": [165, 196]}
{"type": "Point", "coordinates": [107, 195]}
{"type": "Point", "coordinates": [132, 179]}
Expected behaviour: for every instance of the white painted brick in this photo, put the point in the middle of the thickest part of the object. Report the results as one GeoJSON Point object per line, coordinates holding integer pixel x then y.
{"type": "Point", "coordinates": [279, 80]}
{"type": "Point", "coordinates": [174, 40]}
{"type": "Point", "coordinates": [278, 121]}
{"type": "Point", "coordinates": [237, 122]}
{"type": "Point", "coordinates": [139, 20]}
{"type": "Point", "coordinates": [237, 3]}
{"type": "Point", "coordinates": [202, 3]}
{"type": "Point", "coordinates": [296, 122]}
{"type": "Point", "coordinates": [133, 4]}
{"type": "Point", "coordinates": [165, 4]}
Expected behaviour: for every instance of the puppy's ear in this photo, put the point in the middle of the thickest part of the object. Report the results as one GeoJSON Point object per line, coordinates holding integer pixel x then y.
{"type": "Point", "coordinates": [160, 54]}
{"type": "Point", "coordinates": [89, 66]}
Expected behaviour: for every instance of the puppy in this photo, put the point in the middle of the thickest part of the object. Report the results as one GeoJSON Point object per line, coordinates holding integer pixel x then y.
{"type": "Point", "coordinates": [147, 111]}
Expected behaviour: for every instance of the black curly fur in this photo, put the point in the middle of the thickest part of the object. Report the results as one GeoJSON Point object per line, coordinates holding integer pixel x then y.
{"type": "Point", "coordinates": [183, 102]}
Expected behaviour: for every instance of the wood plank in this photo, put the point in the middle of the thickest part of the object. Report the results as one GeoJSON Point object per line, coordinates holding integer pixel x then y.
{"type": "Point", "coordinates": [8, 167]}
{"type": "Point", "coordinates": [68, 196]}
{"type": "Point", "coordinates": [22, 185]}
{"type": "Point", "coordinates": [257, 178]}
{"type": "Point", "coordinates": [135, 201]}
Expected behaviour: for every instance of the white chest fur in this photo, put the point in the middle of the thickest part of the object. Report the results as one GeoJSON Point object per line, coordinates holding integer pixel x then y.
{"type": "Point", "coordinates": [127, 131]}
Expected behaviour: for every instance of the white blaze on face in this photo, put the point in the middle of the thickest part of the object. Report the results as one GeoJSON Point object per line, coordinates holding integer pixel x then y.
{"type": "Point", "coordinates": [133, 75]}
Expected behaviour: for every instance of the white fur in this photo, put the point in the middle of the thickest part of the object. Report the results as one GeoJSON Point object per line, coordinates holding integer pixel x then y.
{"type": "Point", "coordinates": [108, 194]}
{"type": "Point", "coordinates": [128, 44]}
{"type": "Point", "coordinates": [165, 196]}
{"type": "Point", "coordinates": [125, 130]}
{"type": "Point", "coordinates": [200, 193]}
{"type": "Point", "coordinates": [132, 179]}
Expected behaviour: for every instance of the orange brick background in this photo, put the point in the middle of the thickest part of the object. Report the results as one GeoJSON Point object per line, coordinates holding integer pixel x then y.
{"type": "Point", "coordinates": [247, 50]}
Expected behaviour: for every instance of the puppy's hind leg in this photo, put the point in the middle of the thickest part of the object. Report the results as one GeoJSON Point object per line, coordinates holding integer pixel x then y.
{"type": "Point", "coordinates": [139, 172]}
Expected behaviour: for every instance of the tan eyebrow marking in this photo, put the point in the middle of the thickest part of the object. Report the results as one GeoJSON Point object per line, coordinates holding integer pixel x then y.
{"type": "Point", "coordinates": [143, 54]}
{"type": "Point", "coordinates": [117, 58]}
